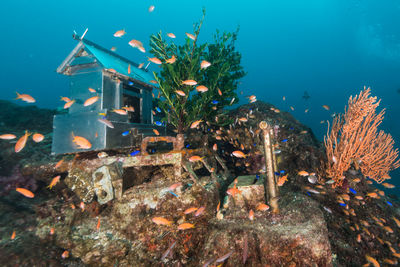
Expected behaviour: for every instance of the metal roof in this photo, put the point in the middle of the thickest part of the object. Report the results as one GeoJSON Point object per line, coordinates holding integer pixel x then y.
{"type": "Point", "coordinates": [106, 58]}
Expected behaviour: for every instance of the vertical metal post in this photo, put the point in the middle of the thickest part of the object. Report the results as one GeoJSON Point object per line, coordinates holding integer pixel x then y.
{"type": "Point", "coordinates": [270, 183]}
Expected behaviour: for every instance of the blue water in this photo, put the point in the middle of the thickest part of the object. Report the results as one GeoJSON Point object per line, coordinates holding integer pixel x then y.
{"type": "Point", "coordinates": [330, 48]}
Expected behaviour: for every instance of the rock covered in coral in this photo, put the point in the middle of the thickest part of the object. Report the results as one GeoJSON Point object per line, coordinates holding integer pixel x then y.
{"type": "Point", "coordinates": [298, 236]}
{"type": "Point", "coordinates": [127, 234]}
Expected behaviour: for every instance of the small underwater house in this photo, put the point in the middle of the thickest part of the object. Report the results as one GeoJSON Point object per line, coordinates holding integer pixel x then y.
{"type": "Point", "coordinates": [118, 83]}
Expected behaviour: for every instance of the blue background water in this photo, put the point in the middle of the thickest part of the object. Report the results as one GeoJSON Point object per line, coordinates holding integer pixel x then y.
{"type": "Point", "coordinates": [330, 48]}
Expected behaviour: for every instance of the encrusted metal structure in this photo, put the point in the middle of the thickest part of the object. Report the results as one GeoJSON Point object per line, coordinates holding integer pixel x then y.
{"type": "Point", "coordinates": [118, 82]}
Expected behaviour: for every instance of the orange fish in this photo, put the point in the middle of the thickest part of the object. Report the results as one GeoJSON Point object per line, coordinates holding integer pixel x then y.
{"type": "Point", "coordinates": [130, 109]}
{"type": "Point", "coordinates": [119, 33]}
{"type": "Point", "coordinates": [65, 99]}
{"type": "Point", "coordinates": [185, 226]}
{"type": "Point", "coordinates": [374, 262]}
{"type": "Point", "coordinates": [171, 60]}
{"type": "Point", "coordinates": [262, 207]}
{"type": "Point", "coordinates": [204, 64]}
{"type": "Point", "coordinates": [129, 68]}
{"type": "Point", "coordinates": [195, 124]}
{"type": "Point", "coordinates": [174, 186]}
{"type": "Point", "coordinates": [199, 211]}
{"type": "Point", "coordinates": [69, 104]}
{"type": "Point", "coordinates": [201, 89]}
{"type": "Point", "coordinates": [54, 181]}
{"type": "Point", "coordinates": [190, 210]}
{"type": "Point", "coordinates": [171, 35]}
{"type": "Point", "coordinates": [25, 192]}
{"type": "Point", "coordinates": [140, 65]}
{"type": "Point", "coordinates": [26, 98]}
{"type": "Point", "coordinates": [82, 206]}
{"type": "Point", "coordinates": [251, 215]}
{"type": "Point", "coordinates": [282, 180]}
{"type": "Point", "coordinates": [243, 119]}
{"type": "Point", "coordinates": [81, 142]}
{"type": "Point", "coordinates": [191, 36]}
{"type": "Point", "coordinates": [387, 185]}
{"type": "Point", "coordinates": [156, 132]}
{"type": "Point", "coordinates": [92, 90]}
{"type": "Point", "coordinates": [90, 101]}
{"type": "Point", "coordinates": [180, 92]}
{"type": "Point", "coordinates": [195, 158]}
{"type": "Point", "coordinates": [153, 81]}
{"type": "Point", "coordinates": [161, 221]}
{"type": "Point", "coordinates": [219, 92]}
{"type": "Point", "coordinates": [373, 195]}
{"type": "Point", "coordinates": [239, 154]}
{"type": "Point", "coordinates": [59, 164]}
{"type": "Point", "coordinates": [189, 82]}
{"type": "Point", "coordinates": [113, 49]}
{"type": "Point", "coordinates": [135, 43]}
{"type": "Point", "coordinates": [13, 235]}
{"type": "Point", "coordinates": [98, 224]}
{"type": "Point", "coordinates": [72, 206]}
{"type": "Point", "coordinates": [65, 254]}
{"type": "Point", "coordinates": [52, 231]}
{"type": "Point", "coordinates": [151, 8]}
{"type": "Point", "coordinates": [37, 137]}
{"type": "Point", "coordinates": [326, 107]}
{"type": "Point", "coordinates": [21, 142]}
{"type": "Point", "coordinates": [215, 147]}
{"type": "Point", "coordinates": [303, 173]}
{"type": "Point", "coordinates": [155, 60]}
{"type": "Point", "coordinates": [219, 204]}
{"type": "Point", "coordinates": [233, 191]}
{"type": "Point", "coordinates": [7, 136]}
{"type": "Point", "coordinates": [120, 111]}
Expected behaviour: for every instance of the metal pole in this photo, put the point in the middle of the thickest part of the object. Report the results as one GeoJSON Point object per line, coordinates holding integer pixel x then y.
{"type": "Point", "coordinates": [270, 183]}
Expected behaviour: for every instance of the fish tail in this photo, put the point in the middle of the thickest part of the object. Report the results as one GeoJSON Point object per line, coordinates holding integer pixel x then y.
{"type": "Point", "coordinates": [18, 96]}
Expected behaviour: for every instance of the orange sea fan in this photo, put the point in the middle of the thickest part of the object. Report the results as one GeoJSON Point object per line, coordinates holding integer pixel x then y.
{"type": "Point", "coordinates": [354, 138]}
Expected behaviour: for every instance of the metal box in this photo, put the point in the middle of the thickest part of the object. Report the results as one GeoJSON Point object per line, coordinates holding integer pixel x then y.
{"type": "Point", "coordinates": [118, 83]}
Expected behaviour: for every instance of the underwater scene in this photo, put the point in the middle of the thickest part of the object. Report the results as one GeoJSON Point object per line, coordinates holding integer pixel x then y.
{"type": "Point", "coordinates": [200, 133]}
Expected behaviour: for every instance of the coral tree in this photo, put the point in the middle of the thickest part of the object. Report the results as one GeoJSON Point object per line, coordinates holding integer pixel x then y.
{"type": "Point", "coordinates": [354, 139]}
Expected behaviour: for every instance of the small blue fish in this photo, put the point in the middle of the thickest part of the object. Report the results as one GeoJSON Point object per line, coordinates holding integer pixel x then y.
{"type": "Point", "coordinates": [126, 133]}
{"type": "Point", "coordinates": [284, 140]}
{"type": "Point", "coordinates": [187, 146]}
{"type": "Point", "coordinates": [291, 128]}
{"type": "Point", "coordinates": [153, 151]}
{"type": "Point", "coordinates": [214, 102]}
{"type": "Point", "coordinates": [389, 203]}
{"type": "Point", "coordinates": [254, 144]}
{"type": "Point", "coordinates": [258, 177]}
{"type": "Point", "coordinates": [353, 191]}
{"type": "Point", "coordinates": [277, 173]}
{"type": "Point", "coordinates": [342, 204]}
{"type": "Point", "coordinates": [282, 172]}
{"type": "Point", "coordinates": [158, 109]}
{"type": "Point", "coordinates": [130, 83]}
{"type": "Point", "coordinates": [173, 193]}
{"type": "Point", "coordinates": [158, 123]}
{"type": "Point", "coordinates": [134, 153]}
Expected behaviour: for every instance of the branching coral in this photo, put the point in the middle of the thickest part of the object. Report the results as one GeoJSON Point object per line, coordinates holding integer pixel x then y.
{"type": "Point", "coordinates": [354, 139]}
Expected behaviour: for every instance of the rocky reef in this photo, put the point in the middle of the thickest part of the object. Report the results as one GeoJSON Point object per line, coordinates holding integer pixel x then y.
{"type": "Point", "coordinates": [207, 214]}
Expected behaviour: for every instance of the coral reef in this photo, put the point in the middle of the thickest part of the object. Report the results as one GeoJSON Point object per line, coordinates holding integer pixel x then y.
{"type": "Point", "coordinates": [354, 139]}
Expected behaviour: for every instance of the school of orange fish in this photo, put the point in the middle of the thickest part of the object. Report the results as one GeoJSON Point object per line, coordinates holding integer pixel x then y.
{"type": "Point", "coordinates": [318, 184]}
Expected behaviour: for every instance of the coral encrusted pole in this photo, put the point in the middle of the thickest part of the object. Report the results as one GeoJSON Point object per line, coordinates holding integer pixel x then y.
{"type": "Point", "coordinates": [270, 183]}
